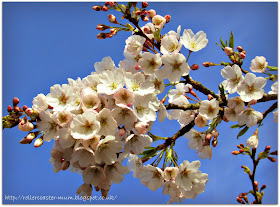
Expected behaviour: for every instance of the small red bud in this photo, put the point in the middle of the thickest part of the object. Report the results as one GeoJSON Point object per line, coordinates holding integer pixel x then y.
{"type": "Point", "coordinates": [108, 35]}
{"type": "Point", "coordinates": [208, 136]}
{"type": "Point", "coordinates": [228, 51]}
{"type": "Point", "coordinates": [145, 19]}
{"type": "Point", "coordinates": [242, 55]}
{"type": "Point", "coordinates": [112, 4]}
{"type": "Point", "coordinates": [239, 200]}
{"type": "Point", "coordinates": [104, 8]}
{"type": "Point", "coordinates": [263, 187]}
{"type": "Point", "coordinates": [9, 109]}
{"type": "Point", "coordinates": [144, 12]}
{"type": "Point", "coordinates": [235, 152]}
{"type": "Point", "coordinates": [97, 8]}
{"type": "Point", "coordinates": [272, 159]}
{"type": "Point", "coordinates": [101, 36]}
{"type": "Point", "coordinates": [242, 145]}
{"type": "Point", "coordinates": [144, 4]}
{"type": "Point", "coordinates": [24, 107]}
{"type": "Point", "coordinates": [17, 109]}
{"type": "Point", "coordinates": [208, 64]}
{"type": "Point", "coordinates": [114, 31]}
{"type": "Point", "coordinates": [102, 27]}
{"type": "Point", "coordinates": [138, 12]}
{"type": "Point", "coordinates": [239, 48]}
{"type": "Point", "coordinates": [210, 97]}
{"type": "Point", "coordinates": [267, 148]}
{"type": "Point", "coordinates": [194, 67]}
{"type": "Point", "coordinates": [274, 153]}
{"type": "Point", "coordinates": [241, 150]}
{"type": "Point", "coordinates": [50, 107]}
{"type": "Point", "coordinates": [106, 3]}
{"type": "Point", "coordinates": [15, 101]}
{"type": "Point", "coordinates": [112, 19]}
{"type": "Point", "coordinates": [167, 18]}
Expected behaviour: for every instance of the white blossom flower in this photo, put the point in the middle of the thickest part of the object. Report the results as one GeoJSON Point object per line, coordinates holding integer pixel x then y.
{"type": "Point", "coordinates": [258, 64]}
{"type": "Point", "coordinates": [144, 108]}
{"type": "Point", "coordinates": [250, 117]}
{"type": "Point", "coordinates": [107, 149]}
{"type": "Point", "coordinates": [194, 42]}
{"type": "Point", "coordinates": [158, 82]}
{"type": "Point", "coordinates": [204, 152]}
{"type": "Point", "coordinates": [93, 175]}
{"type": "Point", "coordinates": [39, 103]}
{"type": "Point", "coordinates": [63, 118]}
{"type": "Point", "coordinates": [134, 163]}
{"type": "Point", "coordinates": [275, 116]}
{"type": "Point", "coordinates": [188, 173]}
{"type": "Point", "coordinates": [200, 121]}
{"type": "Point", "coordinates": [137, 84]}
{"type": "Point", "coordinates": [170, 173]}
{"type": "Point", "coordinates": [174, 66]}
{"type": "Point", "coordinates": [186, 117]}
{"type": "Point", "coordinates": [150, 63]}
{"type": "Point", "coordinates": [136, 143]}
{"type": "Point", "coordinates": [177, 34]}
{"type": "Point", "coordinates": [209, 109]}
{"type": "Point", "coordinates": [108, 125]}
{"type": "Point", "coordinates": [124, 98]}
{"type": "Point", "coordinates": [110, 81]}
{"type": "Point", "coordinates": [61, 97]}
{"type": "Point", "coordinates": [115, 172]}
{"type": "Point", "coordinates": [91, 81]}
{"type": "Point", "coordinates": [195, 139]}
{"type": "Point", "coordinates": [149, 30]}
{"type": "Point", "coordinates": [274, 88]}
{"type": "Point", "coordinates": [251, 88]}
{"type": "Point", "coordinates": [85, 191]}
{"type": "Point", "coordinates": [162, 112]}
{"type": "Point", "coordinates": [65, 139]}
{"type": "Point", "coordinates": [134, 46]}
{"type": "Point", "coordinates": [124, 116]}
{"type": "Point", "coordinates": [85, 157]}
{"type": "Point", "coordinates": [170, 44]}
{"type": "Point", "coordinates": [253, 141]}
{"type": "Point", "coordinates": [233, 76]}
{"type": "Point", "coordinates": [84, 126]}
{"type": "Point", "coordinates": [48, 125]}
{"type": "Point", "coordinates": [151, 176]}
{"type": "Point", "coordinates": [129, 65]}
{"type": "Point", "coordinates": [231, 114]}
{"type": "Point", "coordinates": [180, 90]}
{"type": "Point", "coordinates": [158, 21]}
{"type": "Point", "coordinates": [236, 104]}
{"type": "Point", "coordinates": [106, 64]}
{"type": "Point", "coordinates": [172, 189]}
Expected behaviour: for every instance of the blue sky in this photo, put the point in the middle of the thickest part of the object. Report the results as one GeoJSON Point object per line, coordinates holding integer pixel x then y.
{"type": "Point", "coordinates": [46, 43]}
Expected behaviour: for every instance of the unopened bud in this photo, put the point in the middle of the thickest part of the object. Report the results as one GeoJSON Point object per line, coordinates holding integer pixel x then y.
{"type": "Point", "coordinates": [141, 127]}
{"type": "Point", "coordinates": [147, 29]}
{"type": "Point", "coordinates": [144, 12]}
{"type": "Point", "coordinates": [101, 36]}
{"type": "Point", "coordinates": [267, 148]}
{"type": "Point", "coordinates": [225, 119]}
{"type": "Point", "coordinates": [31, 136]}
{"type": "Point", "coordinates": [235, 152]}
{"type": "Point", "coordinates": [272, 159]}
{"type": "Point", "coordinates": [65, 165]}
{"type": "Point", "coordinates": [214, 143]}
{"type": "Point", "coordinates": [137, 67]}
{"type": "Point", "coordinates": [208, 64]}
{"type": "Point", "coordinates": [25, 141]}
{"type": "Point", "coordinates": [256, 184]}
{"type": "Point", "coordinates": [242, 55]}
{"type": "Point", "coordinates": [122, 131]}
{"type": "Point", "coordinates": [108, 35]}
{"type": "Point", "coordinates": [15, 101]}
{"type": "Point", "coordinates": [263, 187]}
{"type": "Point", "coordinates": [102, 27]}
{"type": "Point", "coordinates": [104, 8]}
{"type": "Point", "coordinates": [112, 19]}
{"type": "Point", "coordinates": [97, 8]}
{"type": "Point", "coordinates": [144, 4]}
{"type": "Point", "coordinates": [17, 109]}
{"type": "Point", "coordinates": [242, 145]}
{"type": "Point", "coordinates": [244, 51]}
{"type": "Point", "coordinates": [29, 111]}
{"type": "Point", "coordinates": [145, 19]}
{"type": "Point", "coordinates": [241, 150]}
{"type": "Point", "coordinates": [239, 48]}
{"type": "Point", "coordinates": [253, 102]}
{"type": "Point", "coordinates": [163, 99]}
{"type": "Point", "coordinates": [9, 109]}
{"type": "Point", "coordinates": [112, 4]}
{"type": "Point", "coordinates": [274, 153]}
{"type": "Point", "coordinates": [228, 51]}
{"type": "Point", "coordinates": [194, 67]}
{"type": "Point", "coordinates": [24, 107]}
{"type": "Point", "coordinates": [151, 13]}
{"type": "Point", "coordinates": [208, 136]}
{"type": "Point", "coordinates": [215, 133]}
{"type": "Point", "coordinates": [246, 199]}
{"type": "Point", "coordinates": [168, 18]}
{"type": "Point", "coordinates": [26, 127]}
{"type": "Point", "coordinates": [50, 107]}
{"type": "Point", "coordinates": [138, 12]}
{"type": "Point", "coordinates": [239, 200]}
{"type": "Point", "coordinates": [104, 193]}
{"type": "Point", "coordinates": [113, 31]}
{"type": "Point", "coordinates": [38, 142]}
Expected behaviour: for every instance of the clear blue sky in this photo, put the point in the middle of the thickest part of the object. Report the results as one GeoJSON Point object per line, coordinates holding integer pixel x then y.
{"type": "Point", "coordinates": [46, 43]}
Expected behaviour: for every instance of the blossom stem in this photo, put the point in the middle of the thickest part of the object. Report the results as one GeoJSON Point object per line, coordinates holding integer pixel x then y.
{"type": "Point", "coordinates": [189, 55]}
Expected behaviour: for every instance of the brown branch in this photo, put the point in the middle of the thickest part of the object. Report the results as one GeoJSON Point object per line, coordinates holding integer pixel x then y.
{"type": "Point", "coordinates": [268, 97]}
{"type": "Point", "coordinates": [252, 176]}
{"type": "Point", "coordinates": [186, 107]}
{"type": "Point", "coordinates": [198, 86]}
{"type": "Point", "coordinates": [274, 106]}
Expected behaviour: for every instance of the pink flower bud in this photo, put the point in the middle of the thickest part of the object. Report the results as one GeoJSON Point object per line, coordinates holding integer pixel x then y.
{"type": "Point", "coordinates": [168, 18]}
{"type": "Point", "coordinates": [25, 141]}
{"type": "Point", "coordinates": [104, 8]}
{"type": "Point", "coordinates": [112, 19]}
{"type": "Point", "coordinates": [147, 29]}
{"type": "Point", "coordinates": [9, 109]}
{"type": "Point", "coordinates": [194, 67]}
{"type": "Point", "coordinates": [210, 97]}
{"type": "Point", "coordinates": [137, 67]}
{"type": "Point", "coordinates": [15, 101]}
{"type": "Point", "coordinates": [97, 8]}
{"type": "Point", "coordinates": [272, 159]}
{"type": "Point", "coordinates": [122, 131]}
{"type": "Point", "coordinates": [267, 148]}
{"type": "Point", "coordinates": [208, 64]}
{"type": "Point", "coordinates": [113, 31]}
{"type": "Point", "coordinates": [31, 136]}
{"type": "Point", "coordinates": [108, 35]}
{"type": "Point", "coordinates": [24, 107]}
{"type": "Point", "coordinates": [253, 102]}
{"type": "Point", "coordinates": [38, 142]}
{"type": "Point", "coordinates": [29, 111]}
{"type": "Point", "coordinates": [138, 12]}
{"type": "Point", "coordinates": [235, 152]}
{"type": "Point", "coordinates": [112, 4]}
{"type": "Point", "coordinates": [102, 27]}
{"type": "Point", "coordinates": [208, 136]}
{"type": "Point", "coordinates": [241, 150]}
{"type": "Point", "coordinates": [151, 13]}
{"type": "Point", "coordinates": [25, 126]}
{"type": "Point", "coordinates": [144, 12]}
{"type": "Point", "coordinates": [239, 48]}
{"type": "Point", "coordinates": [144, 4]}
{"type": "Point", "coordinates": [145, 19]}
{"type": "Point", "coordinates": [17, 109]}
{"type": "Point", "coordinates": [101, 36]}
{"type": "Point", "coordinates": [228, 51]}
{"type": "Point", "coordinates": [215, 133]}
{"type": "Point", "coordinates": [141, 127]}
{"type": "Point", "coordinates": [239, 200]}
{"type": "Point", "coordinates": [242, 55]}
